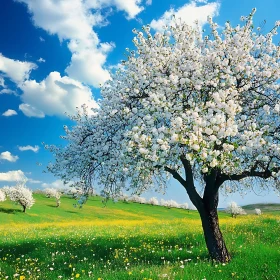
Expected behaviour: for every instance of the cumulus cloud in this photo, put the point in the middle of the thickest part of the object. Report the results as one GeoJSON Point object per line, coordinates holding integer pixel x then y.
{"type": "Point", "coordinates": [34, 149]}
{"type": "Point", "coordinates": [9, 113]}
{"type": "Point", "coordinates": [87, 64]}
{"type": "Point", "coordinates": [12, 176]}
{"type": "Point", "coordinates": [74, 20]}
{"type": "Point", "coordinates": [8, 156]}
{"type": "Point", "coordinates": [30, 111]}
{"type": "Point", "coordinates": [189, 13]}
{"type": "Point", "coordinates": [16, 70]}
{"type": "Point", "coordinates": [58, 184]}
{"type": "Point", "coordinates": [55, 95]}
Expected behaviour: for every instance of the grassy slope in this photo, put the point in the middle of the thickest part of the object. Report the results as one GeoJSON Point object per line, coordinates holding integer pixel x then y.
{"type": "Point", "coordinates": [44, 211]}
{"type": "Point", "coordinates": [129, 241]}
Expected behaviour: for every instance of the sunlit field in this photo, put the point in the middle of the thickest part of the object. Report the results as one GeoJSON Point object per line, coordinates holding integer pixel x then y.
{"type": "Point", "coordinates": [130, 241]}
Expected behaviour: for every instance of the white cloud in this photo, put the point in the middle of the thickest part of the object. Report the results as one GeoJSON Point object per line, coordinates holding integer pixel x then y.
{"type": "Point", "coordinates": [132, 7]}
{"type": "Point", "coordinates": [58, 184]}
{"type": "Point", "coordinates": [149, 2]}
{"type": "Point", "coordinates": [9, 113]}
{"type": "Point", "coordinates": [8, 156]}
{"type": "Point", "coordinates": [7, 91]}
{"type": "Point", "coordinates": [74, 20]}
{"type": "Point", "coordinates": [16, 70]}
{"type": "Point", "coordinates": [55, 95]}
{"type": "Point", "coordinates": [30, 111]}
{"type": "Point", "coordinates": [41, 59]}
{"type": "Point", "coordinates": [2, 82]}
{"type": "Point", "coordinates": [87, 64]}
{"type": "Point", "coordinates": [34, 149]}
{"type": "Point", "coordinates": [117, 66]}
{"type": "Point", "coordinates": [188, 13]}
{"type": "Point", "coordinates": [31, 181]}
{"type": "Point", "coordinates": [12, 176]}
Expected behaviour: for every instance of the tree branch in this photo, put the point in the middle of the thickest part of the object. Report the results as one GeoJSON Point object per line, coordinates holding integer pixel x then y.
{"type": "Point", "coordinates": [176, 175]}
{"type": "Point", "coordinates": [252, 173]}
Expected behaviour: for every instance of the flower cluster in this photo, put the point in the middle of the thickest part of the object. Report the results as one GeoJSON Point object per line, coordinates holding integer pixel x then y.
{"type": "Point", "coordinates": [212, 100]}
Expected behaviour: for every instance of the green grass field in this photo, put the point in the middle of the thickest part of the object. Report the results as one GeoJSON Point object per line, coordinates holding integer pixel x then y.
{"type": "Point", "coordinates": [130, 241]}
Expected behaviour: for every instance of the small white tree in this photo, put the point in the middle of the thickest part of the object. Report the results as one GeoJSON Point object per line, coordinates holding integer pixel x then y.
{"type": "Point", "coordinates": [75, 192]}
{"type": "Point", "coordinates": [169, 203]}
{"type": "Point", "coordinates": [6, 190]}
{"type": "Point", "coordinates": [184, 206]}
{"type": "Point", "coordinates": [153, 201]}
{"type": "Point", "coordinates": [2, 195]}
{"type": "Point", "coordinates": [138, 199]}
{"type": "Point", "coordinates": [141, 200]}
{"type": "Point", "coordinates": [51, 192]}
{"type": "Point", "coordinates": [234, 209]}
{"type": "Point", "coordinates": [123, 197]}
{"type": "Point", "coordinates": [258, 211]}
{"type": "Point", "coordinates": [21, 195]}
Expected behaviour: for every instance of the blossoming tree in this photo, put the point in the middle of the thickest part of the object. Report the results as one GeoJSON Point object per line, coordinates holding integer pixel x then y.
{"type": "Point", "coordinates": [200, 109]}
{"type": "Point", "coordinates": [234, 210]}
{"type": "Point", "coordinates": [21, 195]}
{"type": "Point", "coordinates": [52, 192]}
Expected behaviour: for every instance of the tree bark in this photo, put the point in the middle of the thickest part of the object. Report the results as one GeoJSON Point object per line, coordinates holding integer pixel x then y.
{"type": "Point", "coordinates": [24, 208]}
{"type": "Point", "coordinates": [207, 208]}
{"type": "Point", "coordinates": [213, 236]}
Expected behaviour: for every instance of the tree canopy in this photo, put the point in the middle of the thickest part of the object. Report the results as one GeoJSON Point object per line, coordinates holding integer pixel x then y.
{"type": "Point", "coordinates": [198, 108]}
{"type": "Point", "coordinates": [211, 103]}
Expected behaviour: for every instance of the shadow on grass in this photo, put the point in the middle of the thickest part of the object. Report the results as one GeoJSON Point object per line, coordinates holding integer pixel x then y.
{"type": "Point", "coordinates": [53, 206]}
{"type": "Point", "coordinates": [10, 211]}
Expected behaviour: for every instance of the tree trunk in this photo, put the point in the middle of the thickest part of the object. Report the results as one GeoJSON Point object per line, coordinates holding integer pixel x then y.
{"type": "Point", "coordinates": [213, 236]}
{"type": "Point", "coordinates": [207, 208]}
{"type": "Point", "coordinates": [24, 208]}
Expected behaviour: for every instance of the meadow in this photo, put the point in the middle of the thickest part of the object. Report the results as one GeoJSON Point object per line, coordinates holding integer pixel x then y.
{"type": "Point", "coordinates": [130, 241]}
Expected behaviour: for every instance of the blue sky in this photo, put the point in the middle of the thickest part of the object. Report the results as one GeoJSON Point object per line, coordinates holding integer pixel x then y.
{"type": "Point", "coordinates": [54, 54]}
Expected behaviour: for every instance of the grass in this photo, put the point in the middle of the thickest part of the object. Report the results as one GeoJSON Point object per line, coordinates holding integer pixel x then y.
{"type": "Point", "coordinates": [130, 241]}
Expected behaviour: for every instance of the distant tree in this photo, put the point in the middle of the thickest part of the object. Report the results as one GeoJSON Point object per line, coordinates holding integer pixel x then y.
{"type": "Point", "coordinates": [258, 211]}
{"type": "Point", "coordinates": [198, 108]}
{"type": "Point", "coordinates": [153, 201]}
{"type": "Point", "coordinates": [51, 192]}
{"type": "Point", "coordinates": [184, 206]}
{"type": "Point", "coordinates": [169, 203]}
{"type": "Point", "coordinates": [21, 195]}
{"type": "Point", "coordinates": [234, 209]}
{"type": "Point", "coordinates": [2, 196]}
